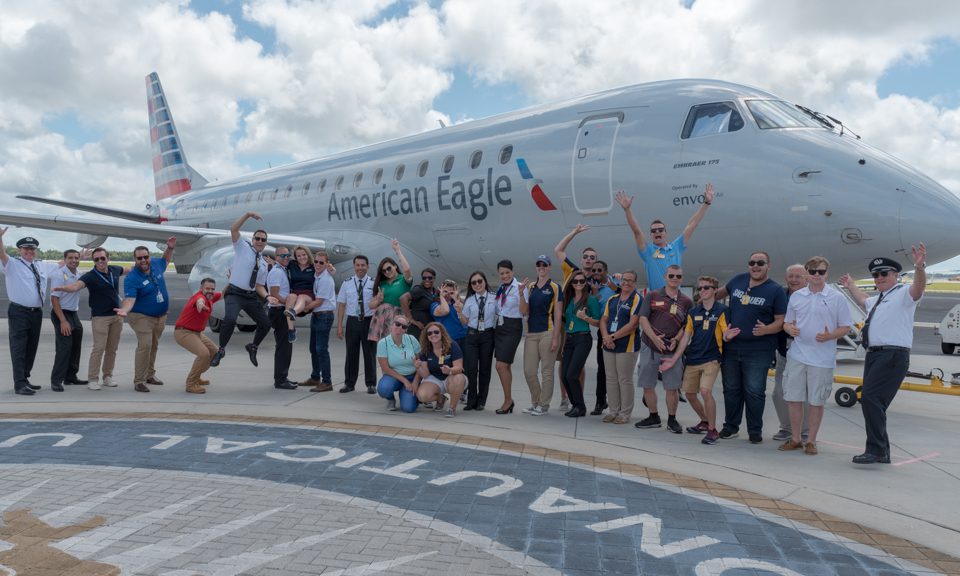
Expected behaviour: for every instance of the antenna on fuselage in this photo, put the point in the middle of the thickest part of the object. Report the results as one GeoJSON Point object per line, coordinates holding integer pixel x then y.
{"type": "Point", "coordinates": [442, 125]}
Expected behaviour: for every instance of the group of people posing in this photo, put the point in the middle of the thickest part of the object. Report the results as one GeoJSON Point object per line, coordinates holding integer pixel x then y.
{"type": "Point", "coordinates": [434, 346]}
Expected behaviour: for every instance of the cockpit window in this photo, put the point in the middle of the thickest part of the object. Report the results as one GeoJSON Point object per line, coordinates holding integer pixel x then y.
{"type": "Point", "coordinates": [779, 114]}
{"type": "Point", "coordinates": [715, 118]}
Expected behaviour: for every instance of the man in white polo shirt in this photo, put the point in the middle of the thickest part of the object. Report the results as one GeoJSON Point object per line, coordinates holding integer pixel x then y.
{"type": "Point", "coordinates": [817, 315]}
{"type": "Point", "coordinates": [887, 335]}
{"type": "Point", "coordinates": [26, 280]}
{"type": "Point", "coordinates": [66, 324]}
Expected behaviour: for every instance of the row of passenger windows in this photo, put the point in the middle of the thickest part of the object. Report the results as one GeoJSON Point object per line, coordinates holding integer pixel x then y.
{"type": "Point", "coordinates": [476, 158]}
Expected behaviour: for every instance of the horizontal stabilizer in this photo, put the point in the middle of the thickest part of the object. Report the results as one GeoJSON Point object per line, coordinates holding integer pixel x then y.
{"type": "Point", "coordinates": [124, 214]}
{"type": "Point", "coordinates": [142, 231]}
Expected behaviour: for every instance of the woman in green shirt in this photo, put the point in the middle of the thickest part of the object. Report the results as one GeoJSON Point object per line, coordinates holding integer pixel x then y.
{"type": "Point", "coordinates": [582, 311]}
{"type": "Point", "coordinates": [392, 282]}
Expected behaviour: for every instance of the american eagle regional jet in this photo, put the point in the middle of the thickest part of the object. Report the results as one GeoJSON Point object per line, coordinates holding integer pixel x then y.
{"type": "Point", "coordinates": [789, 180]}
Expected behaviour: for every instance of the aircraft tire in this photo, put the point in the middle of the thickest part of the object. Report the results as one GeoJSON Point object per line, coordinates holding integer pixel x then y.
{"type": "Point", "coordinates": [947, 348]}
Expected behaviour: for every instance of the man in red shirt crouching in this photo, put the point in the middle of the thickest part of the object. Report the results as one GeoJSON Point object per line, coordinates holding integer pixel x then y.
{"type": "Point", "coordinates": [189, 333]}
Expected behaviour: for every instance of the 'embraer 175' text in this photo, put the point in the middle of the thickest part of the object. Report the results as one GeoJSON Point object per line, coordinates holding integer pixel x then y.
{"type": "Point", "coordinates": [477, 196]}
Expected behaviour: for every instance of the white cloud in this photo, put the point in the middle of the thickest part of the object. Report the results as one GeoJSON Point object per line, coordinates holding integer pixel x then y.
{"type": "Point", "coordinates": [350, 72]}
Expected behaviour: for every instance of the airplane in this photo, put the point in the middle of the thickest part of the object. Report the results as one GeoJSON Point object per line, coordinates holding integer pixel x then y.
{"type": "Point", "coordinates": [789, 180]}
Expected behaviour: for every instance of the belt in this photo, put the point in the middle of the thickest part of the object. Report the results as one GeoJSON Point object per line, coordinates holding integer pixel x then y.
{"type": "Point", "coordinates": [879, 348]}
{"type": "Point", "coordinates": [27, 308]}
{"type": "Point", "coordinates": [242, 291]}
{"type": "Point", "coordinates": [323, 313]}
{"type": "Point", "coordinates": [476, 331]}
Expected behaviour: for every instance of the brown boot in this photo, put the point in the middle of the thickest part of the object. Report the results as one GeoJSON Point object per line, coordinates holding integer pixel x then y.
{"type": "Point", "coordinates": [322, 387]}
{"type": "Point", "coordinates": [204, 382]}
{"type": "Point", "coordinates": [196, 389]}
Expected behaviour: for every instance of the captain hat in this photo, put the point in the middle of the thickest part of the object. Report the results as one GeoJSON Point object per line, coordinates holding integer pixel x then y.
{"type": "Point", "coordinates": [27, 242]}
{"type": "Point", "coordinates": [881, 264]}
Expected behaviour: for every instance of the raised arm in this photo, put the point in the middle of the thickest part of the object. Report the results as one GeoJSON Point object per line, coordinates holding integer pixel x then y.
{"type": "Point", "coordinates": [699, 214]}
{"type": "Point", "coordinates": [168, 253]}
{"type": "Point", "coordinates": [858, 295]}
{"type": "Point", "coordinates": [560, 251]}
{"type": "Point", "coordinates": [626, 202]}
{"type": "Point", "coordinates": [919, 271]}
{"type": "Point", "coordinates": [235, 227]}
{"type": "Point", "coordinates": [402, 260]}
{"type": "Point", "coordinates": [4, 258]}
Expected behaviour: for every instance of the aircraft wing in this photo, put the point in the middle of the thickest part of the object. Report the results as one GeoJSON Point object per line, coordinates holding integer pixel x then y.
{"type": "Point", "coordinates": [138, 230]}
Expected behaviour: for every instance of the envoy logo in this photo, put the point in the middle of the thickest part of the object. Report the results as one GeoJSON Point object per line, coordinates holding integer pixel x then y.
{"type": "Point", "coordinates": [533, 185]}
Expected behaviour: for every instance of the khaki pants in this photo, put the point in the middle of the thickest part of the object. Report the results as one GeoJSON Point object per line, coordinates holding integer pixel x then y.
{"type": "Point", "coordinates": [106, 338]}
{"type": "Point", "coordinates": [620, 367]}
{"type": "Point", "coordinates": [148, 330]}
{"type": "Point", "coordinates": [537, 355]}
{"type": "Point", "coordinates": [199, 345]}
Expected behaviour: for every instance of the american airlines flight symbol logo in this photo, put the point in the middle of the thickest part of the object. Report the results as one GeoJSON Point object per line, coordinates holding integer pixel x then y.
{"type": "Point", "coordinates": [533, 184]}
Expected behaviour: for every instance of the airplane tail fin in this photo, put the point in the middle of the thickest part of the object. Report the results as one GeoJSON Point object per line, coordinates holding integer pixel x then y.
{"type": "Point", "coordinates": [172, 174]}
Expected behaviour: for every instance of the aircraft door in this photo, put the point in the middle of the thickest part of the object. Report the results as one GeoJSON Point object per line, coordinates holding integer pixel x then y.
{"type": "Point", "coordinates": [592, 167]}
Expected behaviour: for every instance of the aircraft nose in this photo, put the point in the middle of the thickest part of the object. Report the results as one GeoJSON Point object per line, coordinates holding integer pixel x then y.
{"type": "Point", "coordinates": [929, 213]}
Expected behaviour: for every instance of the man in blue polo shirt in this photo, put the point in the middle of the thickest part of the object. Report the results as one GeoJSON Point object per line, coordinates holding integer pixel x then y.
{"type": "Point", "coordinates": [757, 307]}
{"type": "Point", "coordinates": [145, 305]}
{"type": "Point", "coordinates": [658, 255]}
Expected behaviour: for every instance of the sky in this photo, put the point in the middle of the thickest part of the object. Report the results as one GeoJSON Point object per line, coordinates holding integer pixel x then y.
{"type": "Point", "coordinates": [258, 83]}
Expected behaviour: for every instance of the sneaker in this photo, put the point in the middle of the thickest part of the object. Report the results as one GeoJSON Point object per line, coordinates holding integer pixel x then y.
{"type": "Point", "coordinates": [215, 361]}
{"type": "Point", "coordinates": [463, 398]}
{"type": "Point", "coordinates": [141, 387]}
{"type": "Point", "coordinates": [782, 435]}
{"type": "Point", "coordinates": [530, 410]}
{"type": "Point", "coordinates": [790, 445]}
{"type": "Point", "coordinates": [392, 405]}
{"type": "Point", "coordinates": [810, 448]}
{"type": "Point", "coordinates": [108, 382]}
{"type": "Point", "coordinates": [651, 421]}
{"type": "Point", "coordinates": [450, 413]}
{"type": "Point", "coordinates": [292, 336]}
{"type": "Point", "coordinates": [698, 429]}
{"type": "Point", "coordinates": [756, 438]}
{"type": "Point", "coordinates": [711, 437]}
{"type": "Point", "coordinates": [564, 405]}
{"type": "Point", "coordinates": [289, 314]}
{"type": "Point", "coordinates": [727, 434]}
{"type": "Point", "coordinates": [674, 426]}
{"type": "Point", "coordinates": [540, 411]}
{"type": "Point", "coordinates": [609, 418]}
{"type": "Point", "coordinates": [94, 384]}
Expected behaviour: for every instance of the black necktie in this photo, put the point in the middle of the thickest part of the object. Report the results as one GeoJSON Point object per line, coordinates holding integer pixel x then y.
{"type": "Point", "coordinates": [483, 304]}
{"type": "Point", "coordinates": [360, 298]}
{"type": "Point", "coordinates": [864, 333]}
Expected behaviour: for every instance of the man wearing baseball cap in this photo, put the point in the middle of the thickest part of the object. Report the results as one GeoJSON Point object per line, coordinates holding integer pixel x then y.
{"type": "Point", "coordinates": [887, 334]}
{"type": "Point", "coordinates": [26, 279]}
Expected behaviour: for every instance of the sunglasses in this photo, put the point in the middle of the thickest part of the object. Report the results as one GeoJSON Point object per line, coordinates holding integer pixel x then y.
{"type": "Point", "coordinates": [817, 272]}
{"type": "Point", "coordinates": [476, 282]}
{"type": "Point", "coordinates": [388, 268]}
{"type": "Point", "coordinates": [140, 258]}
{"type": "Point", "coordinates": [757, 263]}
{"type": "Point", "coordinates": [400, 325]}
{"type": "Point", "coordinates": [880, 273]}
{"type": "Point", "coordinates": [283, 255]}
{"type": "Point", "coordinates": [100, 259]}
{"type": "Point", "coordinates": [657, 230]}
{"type": "Point", "coordinates": [259, 238]}
{"type": "Point", "coordinates": [433, 332]}
{"type": "Point", "coordinates": [542, 265]}
{"type": "Point", "coordinates": [677, 276]}
{"type": "Point", "coordinates": [589, 257]}
{"type": "Point", "coordinates": [320, 262]}
{"type": "Point", "coordinates": [702, 288]}
{"type": "Point", "coordinates": [597, 271]}
{"type": "Point", "coordinates": [579, 281]}
{"type": "Point", "coordinates": [426, 278]}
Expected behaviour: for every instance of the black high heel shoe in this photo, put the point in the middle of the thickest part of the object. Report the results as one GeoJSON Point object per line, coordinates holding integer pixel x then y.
{"type": "Point", "coordinates": [509, 409]}
{"type": "Point", "coordinates": [598, 410]}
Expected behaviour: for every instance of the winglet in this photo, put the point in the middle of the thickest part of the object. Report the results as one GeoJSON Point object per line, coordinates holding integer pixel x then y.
{"type": "Point", "coordinates": [172, 174]}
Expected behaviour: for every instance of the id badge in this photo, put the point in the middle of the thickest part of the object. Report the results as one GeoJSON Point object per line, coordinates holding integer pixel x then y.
{"type": "Point", "coordinates": [499, 320]}
{"type": "Point", "coordinates": [745, 299]}
{"type": "Point", "coordinates": [673, 309]}
{"type": "Point", "coordinates": [570, 327]}
{"type": "Point", "coordinates": [613, 326]}
{"type": "Point", "coordinates": [706, 325]}
{"type": "Point", "coordinates": [159, 298]}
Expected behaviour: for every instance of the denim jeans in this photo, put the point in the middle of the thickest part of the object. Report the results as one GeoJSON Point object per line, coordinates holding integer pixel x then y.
{"type": "Point", "coordinates": [745, 384]}
{"type": "Point", "coordinates": [388, 385]}
{"type": "Point", "coordinates": [320, 325]}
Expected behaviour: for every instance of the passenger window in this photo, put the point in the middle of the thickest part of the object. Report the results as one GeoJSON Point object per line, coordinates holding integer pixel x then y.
{"type": "Point", "coordinates": [447, 164]}
{"type": "Point", "coordinates": [260, 195]}
{"type": "Point", "coordinates": [236, 199]}
{"type": "Point", "coordinates": [273, 195]}
{"type": "Point", "coordinates": [339, 183]}
{"type": "Point", "coordinates": [422, 169]}
{"type": "Point", "coordinates": [358, 179]}
{"type": "Point", "coordinates": [249, 196]}
{"type": "Point", "coordinates": [708, 119]}
{"type": "Point", "coordinates": [377, 176]}
{"type": "Point", "coordinates": [505, 154]}
{"type": "Point", "coordinates": [288, 192]}
{"type": "Point", "coordinates": [475, 159]}
{"type": "Point", "coordinates": [398, 173]}
{"type": "Point", "coordinates": [306, 188]}
{"type": "Point", "coordinates": [323, 184]}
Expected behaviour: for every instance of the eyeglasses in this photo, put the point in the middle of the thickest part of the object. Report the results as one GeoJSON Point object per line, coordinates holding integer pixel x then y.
{"type": "Point", "coordinates": [400, 325]}
{"type": "Point", "coordinates": [880, 273]}
{"type": "Point", "coordinates": [388, 269]}
{"type": "Point", "coordinates": [589, 257]}
{"type": "Point", "coordinates": [677, 276]}
{"type": "Point", "coordinates": [140, 258]}
{"type": "Point", "coordinates": [433, 332]}
{"type": "Point", "coordinates": [100, 259]}
{"type": "Point", "coordinates": [579, 281]}
{"type": "Point", "coordinates": [757, 263]}
{"type": "Point", "coordinates": [283, 255]}
{"type": "Point", "coordinates": [259, 238]}
{"type": "Point", "coordinates": [628, 281]}
{"type": "Point", "coordinates": [817, 272]}
{"type": "Point", "coordinates": [476, 282]}
{"type": "Point", "coordinates": [702, 288]}
{"type": "Point", "coordinates": [658, 230]}
{"type": "Point", "coordinates": [426, 278]}
{"type": "Point", "coordinates": [542, 264]}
